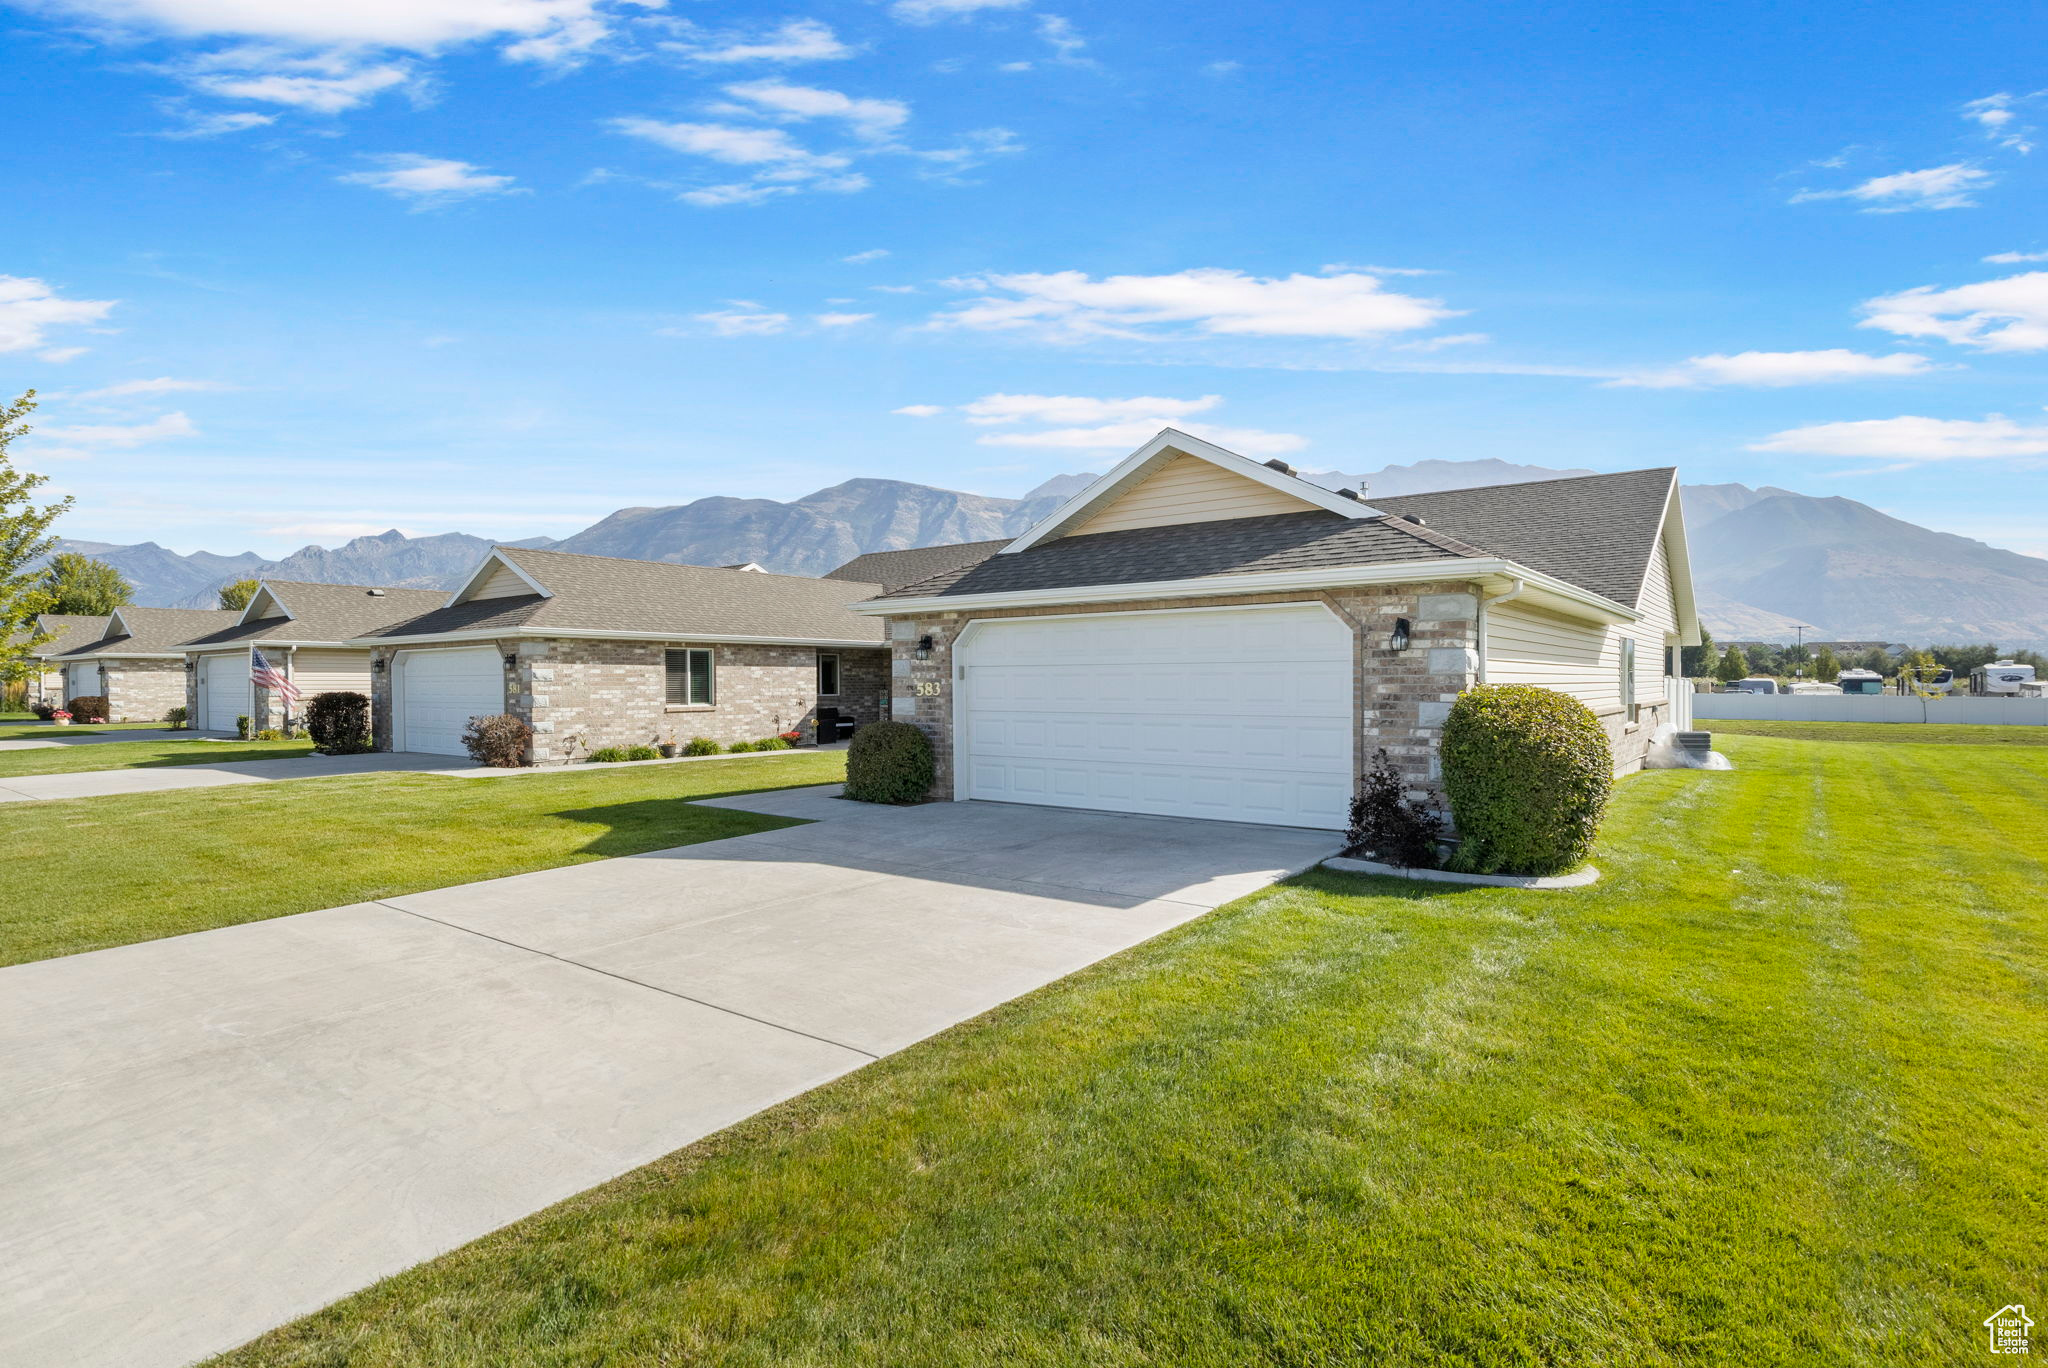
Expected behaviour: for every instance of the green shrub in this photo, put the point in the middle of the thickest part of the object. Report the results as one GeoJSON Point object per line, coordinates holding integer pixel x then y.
{"type": "Point", "coordinates": [242, 726]}
{"type": "Point", "coordinates": [87, 708]}
{"type": "Point", "coordinates": [773, 743]}
{"type": "Point", "coordinates": [643, 753]}
{"type": "Point", "coordinates": [1387, 825]}
{"type": "Point", "coordinates": [1528, 772]}
{"type": "Point", "coordinates": [270, 734]}
{"type": "Point", "coordinates": [702, 745]}
{"type": "Point", "coordinates": [339, 722]}
{"type": "Point", "coordinates": [606, 755]}
{"type": "Point", "coordinates": [741, 748]}
{"type": "Point", "coordinates": [176, 717]}
{"type": "Point", "coordinates": [499, 741]}
{"type": "Point", "coordinates": [889, 762]}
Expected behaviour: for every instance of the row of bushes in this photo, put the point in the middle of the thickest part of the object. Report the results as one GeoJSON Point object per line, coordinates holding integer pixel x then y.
{"type": "Point", "coordinates": [696, 745]}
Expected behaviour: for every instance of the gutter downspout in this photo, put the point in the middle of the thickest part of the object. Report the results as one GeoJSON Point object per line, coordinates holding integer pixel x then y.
{"type": "Point", "coordinates": [1485, 641]}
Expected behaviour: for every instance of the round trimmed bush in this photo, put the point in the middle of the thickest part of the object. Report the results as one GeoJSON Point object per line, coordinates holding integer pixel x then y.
{"type": "Point", "coordinates": [889, 762]}
{"type": "Point", "coordinates": [87, 708]}
{"type": "Point", "coordinates": [1528, 772]}
{"type": "Point", "coordinates": [339, 722]}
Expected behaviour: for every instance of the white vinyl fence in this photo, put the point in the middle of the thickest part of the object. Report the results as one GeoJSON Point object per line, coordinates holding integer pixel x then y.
{"type": "Point", "coordinates": [2007, 712]}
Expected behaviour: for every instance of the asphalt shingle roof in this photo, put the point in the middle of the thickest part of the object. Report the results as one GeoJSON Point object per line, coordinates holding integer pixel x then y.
{"type": "Point", "coordinates": [327, 612]}
{"type": "Point", "coordinates": [69, 631]}
{"type": "Point", "coordinates": [894, 569]}
{"type": "Point", "coordinates": [1593, 531]}
{"type": "Point", "coordinates": [157, 631]}
{"type": "Point", "coordinates": [608, 594]}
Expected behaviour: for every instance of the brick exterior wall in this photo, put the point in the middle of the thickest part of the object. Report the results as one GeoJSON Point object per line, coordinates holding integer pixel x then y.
{"type": "Point", "coordinates": [583, 695]}
{"type": "Point", "coordinates": [1631, 741]}
{"type": "Point", "coordinates": [1401, 698]}
{"type": "Point", "coordinates": [142, 690]}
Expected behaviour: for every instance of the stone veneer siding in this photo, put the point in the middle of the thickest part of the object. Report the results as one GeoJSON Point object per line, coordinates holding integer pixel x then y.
{"type": "Point", "coordinates": [583, 695]}
{"type": "Point", "coordinates": [142, 690]}
{"type": "Point", "coordinates": [1401, 698]}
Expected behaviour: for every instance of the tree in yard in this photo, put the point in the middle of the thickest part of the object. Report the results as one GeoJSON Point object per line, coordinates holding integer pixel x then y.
{"type": "Point", "coordinates": [238, 594]}
{"type": "Point", "coordinates": [1734, 665]}
{"type": "Point", "coordinates": [24, 539]}
{"type": "Point", "coordinates": [1827, 668]}
{"type": "Point", "coordinates": [84, 586]}
{"type": "Point", "coordinates": [1696, 662]}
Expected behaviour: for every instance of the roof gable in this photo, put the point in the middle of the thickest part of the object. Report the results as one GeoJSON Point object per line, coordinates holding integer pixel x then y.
{"type": "Point", "coordinates": [1176, 479]}
{"type": "Point", "coordinates": [263, 604]}
{"type": "Point", "coordinates": [498, 576]}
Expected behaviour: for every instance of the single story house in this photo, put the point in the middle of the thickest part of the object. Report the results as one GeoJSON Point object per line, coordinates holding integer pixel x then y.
{"type": "Point", "coordinates": [67, 632]}
{"type": "Point", "coordinates": [138, 663]}
{"type": "Point", "coordinates": [596, 651]}
{"type": "Point", "coordinates": [304, 629]}
{"type": "Point", "coordinates": [1198, 634]}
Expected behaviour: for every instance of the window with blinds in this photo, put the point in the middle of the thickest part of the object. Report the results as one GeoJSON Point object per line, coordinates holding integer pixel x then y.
{"type": "Point", "coordinates": [689, 677]}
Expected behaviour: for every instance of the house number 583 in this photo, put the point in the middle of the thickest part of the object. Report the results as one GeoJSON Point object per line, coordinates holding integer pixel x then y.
{"type": "Point", "coordinates": [925, 688]}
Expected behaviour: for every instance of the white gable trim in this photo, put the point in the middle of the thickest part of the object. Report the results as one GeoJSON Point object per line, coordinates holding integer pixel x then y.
{"type": "Point", "coordinates": [1169, 443]}
{"type": "Point", "coordinates": [263, 592]}
{"type": "Point", "coordinates": [117, 626]}
{"type": "Point", "coordinates": [1671, 537]}
{"type": "Point", "coordinates": [490, 563]}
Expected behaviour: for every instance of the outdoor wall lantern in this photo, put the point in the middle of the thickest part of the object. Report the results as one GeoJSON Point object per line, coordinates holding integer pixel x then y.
{"type": "Point", "coordinates": [924, 647]}
{"type": "Point", "coordinates": [377, 664]}
{"type": "Point", "coordinates": [511, 660]}
{"type": "Point", "coordinates": [191, 664]}
{"type": "Point", "coordinates": [1399, 640]}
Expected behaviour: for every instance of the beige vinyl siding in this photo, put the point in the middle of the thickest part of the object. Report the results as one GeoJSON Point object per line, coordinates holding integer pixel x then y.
{"type": "Point", "coordinates": [1527, 645]}
{"type": "Point", "coordinates": [1189, 490]}
{"type": "Point", "coordinates": [329, 671]}
{"type": "Point", "coordinates": [502, 582]}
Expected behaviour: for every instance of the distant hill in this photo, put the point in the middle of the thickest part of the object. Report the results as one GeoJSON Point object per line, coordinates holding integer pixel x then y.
{"type": "Point", "coordinates": [1765, 560]}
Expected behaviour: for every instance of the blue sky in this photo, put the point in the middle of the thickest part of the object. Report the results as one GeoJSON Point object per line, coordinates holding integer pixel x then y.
{"type": "Point", "coordinates": [289, 272]}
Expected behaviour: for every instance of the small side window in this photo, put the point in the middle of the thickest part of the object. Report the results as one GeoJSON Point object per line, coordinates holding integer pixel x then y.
{"type": "Point", "coordinates": [828, 676]}
{"type": "Point", "coordinates": [689, 677]}
{"type": "Point", "coordinates": [1628, 676]}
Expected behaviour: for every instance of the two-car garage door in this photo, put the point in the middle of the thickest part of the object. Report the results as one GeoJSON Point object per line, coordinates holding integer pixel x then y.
{"type": "Point", "coordinates": [437, 692]}
{"type": "Point", "coordinates": [1242, 715]}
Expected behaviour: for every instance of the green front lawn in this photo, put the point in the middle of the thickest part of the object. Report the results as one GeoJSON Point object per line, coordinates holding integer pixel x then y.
{"type": "Point", "coordinates": [1768, 1094]}
{"type": "Point", "coordinates": [36, 730]}
{"type": "Point", "coordinates": [108, 755]}
{"type": "Point", "coordinates": [91, 873]}
{"type": "Point", "coordinates": [1891, 733]}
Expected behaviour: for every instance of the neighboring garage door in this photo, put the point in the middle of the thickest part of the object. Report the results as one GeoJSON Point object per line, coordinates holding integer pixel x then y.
{"type": "Point", "coordinates": [439, 691]}
{"type": "Point", "coordinates": [223, 691]}
{"type": "Point", "coordinates": [1243, 715]}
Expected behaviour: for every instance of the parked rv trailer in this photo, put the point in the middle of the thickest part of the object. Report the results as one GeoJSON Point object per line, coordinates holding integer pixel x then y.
{"type": "Point", "coordinates": [2000, 677]}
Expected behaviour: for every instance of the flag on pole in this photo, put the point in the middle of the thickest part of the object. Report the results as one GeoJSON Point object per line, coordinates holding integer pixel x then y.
{"type": "Point", "coordinates": [268, 676]}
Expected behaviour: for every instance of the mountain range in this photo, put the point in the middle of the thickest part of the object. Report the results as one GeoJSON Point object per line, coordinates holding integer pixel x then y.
{"type": "Point", "coordinates": [1765, 560]}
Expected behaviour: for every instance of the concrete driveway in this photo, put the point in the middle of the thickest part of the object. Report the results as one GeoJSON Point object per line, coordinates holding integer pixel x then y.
{"type": "Point", "coordinates": [155, 779]}
{"type": "Point", "coordinates": [209, 1135]}
{"type": "Point", "coordinates": [72, 736]}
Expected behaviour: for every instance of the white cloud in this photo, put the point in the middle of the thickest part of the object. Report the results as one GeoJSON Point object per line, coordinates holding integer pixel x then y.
{"type": "Point", "coordinates": [894, 289]}
{"type": "Point", "coordinates": [216, 125]}
{"type": "Point", "coordinates": [430, 180]}
{"type": "Point", "coordinates": [931, 11]}
{"type": "Point", "coordinates": [415, 25]}
{"type": "Point", "coordinates": [1432, 344]}
{"type": "Point", "coordinates": [1937, 187]}
{"type": "Point", "coordinates": [1127, 436]}
{"type": "Point", "coordinates": [863, 258]}
{"type": "Point", "coordinates": [1072, 408]}
{"type": "Point", "coordinates": [2014, 258]}
{"type": "Point", "coordinates": [920, 410]}
{"type": "Point", "coordinates": [1998, 117]}
{"type": "Point", "coordinates": [163, 384]}
{"type": "Point", "coordinates": [88, 439]}
{"type": "Point", "coordinates": [1067, 45]}
{"type": "Point", "coordinates": [322, 94]}
{"type": "Point", "coordinates": [839, 320]}
{"type": "Point", "coordinates": [1912, 440]}
{"type": "Point", "coordinates": [2008, 315]}
{"type": "Point", "coordinates": [1770, 370]}
{"type": "Point", "coordinates": [729, 143]}
{"type": "Point", "coordinates": [57, 356]}
{"type": "Point", "coordinates": [1208, 301]}
{"type": "Point", "coordinates": [799, 40]}
{"type": "Point", "coordinates": [28, 307]}
{"type": "Point", "coordinates": [870, 118]}
{"type": "Point", "coordinates": [1223, 68]}
{"type": "Point", "coordinates": [745, 319]}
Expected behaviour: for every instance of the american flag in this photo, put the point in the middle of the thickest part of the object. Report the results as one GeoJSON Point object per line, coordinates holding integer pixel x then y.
{"type": "Point", "coordinates": [268, 676]}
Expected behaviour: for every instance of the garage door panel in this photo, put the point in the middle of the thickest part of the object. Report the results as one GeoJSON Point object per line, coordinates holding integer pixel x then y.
{"type": "Point", "coordinates": [440, 691]}
{"type": "Point", "coordinates": [1237, 715]}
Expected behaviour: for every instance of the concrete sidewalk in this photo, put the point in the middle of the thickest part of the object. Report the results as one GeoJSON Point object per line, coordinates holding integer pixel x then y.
{"type": "Point", "coordinates": [211, 1134]}
{"type": "Point", "coordinates": [100, 738]}
{"type": "Point", "coordinates": [156, 779]}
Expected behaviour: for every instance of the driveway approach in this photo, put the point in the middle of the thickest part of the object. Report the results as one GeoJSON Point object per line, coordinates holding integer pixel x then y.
{"type": "Point", "coordinates": [209, 1135]}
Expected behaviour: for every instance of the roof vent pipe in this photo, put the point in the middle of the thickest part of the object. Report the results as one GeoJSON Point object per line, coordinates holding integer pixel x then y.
{"type": "Point", "coordinates": [1351, 494]}
{"type": "Point", "coordinates": [1411, 518]}
{"type": "Point", "coordinates": [1277, 464]}
{"type": "Point", "coordinates": [374, 593]}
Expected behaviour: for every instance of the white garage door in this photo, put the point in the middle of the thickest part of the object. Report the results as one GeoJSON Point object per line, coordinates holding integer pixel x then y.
{"type": "Point", "coordinates": [1241, 715]}
{"type": "Point", "coordinates": [223, 691]}
{"type": "Point", "coordinates": [439, 691]}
